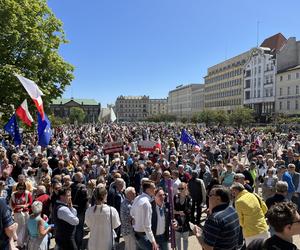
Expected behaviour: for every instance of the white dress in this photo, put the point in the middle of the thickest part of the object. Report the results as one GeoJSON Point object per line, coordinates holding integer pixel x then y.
{"type": "Point", "coordinates": [99, 225]}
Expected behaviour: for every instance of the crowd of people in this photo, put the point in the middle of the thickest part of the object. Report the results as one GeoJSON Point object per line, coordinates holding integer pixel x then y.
{"type": "Point", "coordinates": [234, 189]}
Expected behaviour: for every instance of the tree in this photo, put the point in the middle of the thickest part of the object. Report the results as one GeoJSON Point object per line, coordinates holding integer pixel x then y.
{"type": "Point", "coordinates": [241, 116]}
{"type": "Point", "coordinates": [207, 117]}
{"type": "Point", "coordinates": [221, 117]}
{"type": "Point", "coordinates": [30, 37]}
{"type": "Point", "coordinates": [76, 114]}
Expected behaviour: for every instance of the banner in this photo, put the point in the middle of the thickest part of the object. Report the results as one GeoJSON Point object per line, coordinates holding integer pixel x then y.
{"type": "Point", "coordinates": [171, 203]}
{"type": "Point", "coordinates": [113, 147]}
{"type": "Point", "coordinates": [148, 146]}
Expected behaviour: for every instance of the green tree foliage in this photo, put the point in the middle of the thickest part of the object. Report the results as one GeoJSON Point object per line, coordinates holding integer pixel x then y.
{"type": "Point", "coordinates": [162, 118]}
{"type": "Point", "coordinates": [241, 116]}
{"type": "Point", "coordinates": [77, 114]}
{"type": "Point", "coordinates": [30, 37]}
{"type": "Point", "coordinates": [207, 116]}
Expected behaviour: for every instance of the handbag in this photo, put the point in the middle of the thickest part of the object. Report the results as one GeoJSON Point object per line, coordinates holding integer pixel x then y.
{"type": "Point", "coordinates": [113, 246]}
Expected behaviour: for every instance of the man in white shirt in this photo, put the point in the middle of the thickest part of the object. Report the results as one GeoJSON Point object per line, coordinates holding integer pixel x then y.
{"type": "Point", "coordinates": [176, 181]}
{"type": "Point", "coordinates": [141, 212]}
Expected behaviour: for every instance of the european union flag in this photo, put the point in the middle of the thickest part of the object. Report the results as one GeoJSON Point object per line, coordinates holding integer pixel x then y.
{"type": "Point", "coordinates": [13, 129]}
{"type": "Point", "coordinates": [44, 130]}
{"type": "Point", "coordinates": [187, 138]}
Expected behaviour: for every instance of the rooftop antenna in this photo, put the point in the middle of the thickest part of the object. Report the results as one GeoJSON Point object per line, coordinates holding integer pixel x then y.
{"type": "Point", "coordinates": [257, 33]}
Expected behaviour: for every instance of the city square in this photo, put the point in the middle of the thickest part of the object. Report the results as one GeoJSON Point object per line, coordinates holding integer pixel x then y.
{"type": "Point", "coordinates": [149, 125]}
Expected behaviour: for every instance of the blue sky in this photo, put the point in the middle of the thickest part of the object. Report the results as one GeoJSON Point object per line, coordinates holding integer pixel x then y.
{"type": "Point", "coordinates": [136, 47]}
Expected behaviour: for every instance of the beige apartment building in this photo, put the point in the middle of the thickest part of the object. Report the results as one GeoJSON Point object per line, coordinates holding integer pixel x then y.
{"type": "Point", "coordinates": [132, 108]}
{"type": "Point", "coordinates": [198, 100]}
{"type": "Point", "coordinates": [224, 84]}
{"type": "Point", "coordinates": [158, 106]}
{"type": "Point", "coordinates": [180, 100]}
{"type": "Point", "coordinates": [288, 93]}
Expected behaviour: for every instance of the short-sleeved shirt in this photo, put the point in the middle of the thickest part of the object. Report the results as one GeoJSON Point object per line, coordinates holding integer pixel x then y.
{"type": "Point", "coordinates": [222, 229]}
{"type": "Point", "coordinates": [6, 220]}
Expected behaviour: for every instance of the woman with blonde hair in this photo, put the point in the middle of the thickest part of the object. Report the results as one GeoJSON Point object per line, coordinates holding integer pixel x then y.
{"type": "Point", "coordinates": [38, 228]}
{"type": "Point", "coordinates": [101, 237]}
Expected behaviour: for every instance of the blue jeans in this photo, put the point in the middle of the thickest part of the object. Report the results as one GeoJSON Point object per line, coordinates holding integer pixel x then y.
{"type": "Point", "coordinates": [185, 238]}
{"type": "Point", "coordinates": [162, 242]}
{"type": "Point", "coordinates": [142, 242]}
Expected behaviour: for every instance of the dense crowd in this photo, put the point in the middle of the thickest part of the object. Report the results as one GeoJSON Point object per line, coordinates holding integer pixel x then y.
{"type": "Point", "coordinates": [236, 188]}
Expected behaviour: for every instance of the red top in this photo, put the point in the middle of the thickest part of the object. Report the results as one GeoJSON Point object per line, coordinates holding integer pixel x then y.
{"type": "Point", "coordinates": [21, 199]}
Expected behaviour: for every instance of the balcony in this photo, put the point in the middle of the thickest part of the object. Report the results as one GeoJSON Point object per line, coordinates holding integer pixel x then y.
{"type": "Point", "coordinates": [268, 82]}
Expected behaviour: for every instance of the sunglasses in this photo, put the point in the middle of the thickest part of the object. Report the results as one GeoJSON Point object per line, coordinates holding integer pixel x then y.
{"type": "Point", "coordinates": [180, 188]}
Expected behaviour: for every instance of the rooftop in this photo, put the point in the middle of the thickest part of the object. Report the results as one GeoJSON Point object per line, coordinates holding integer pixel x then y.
{"type": "Point", "coordinates": [59, 101]}
{"type": "Point", "coordinates": [274, 42]}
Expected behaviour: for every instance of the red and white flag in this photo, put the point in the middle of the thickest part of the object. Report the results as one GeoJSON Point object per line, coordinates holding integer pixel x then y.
{"type": "Point", "coordinates": [34, 92]}
{"type": "Point", "coordinates": [23, 113]}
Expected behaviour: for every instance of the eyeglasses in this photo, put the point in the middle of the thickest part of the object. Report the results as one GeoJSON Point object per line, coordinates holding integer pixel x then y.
{"type": "Point", "coordinates": [180, 188]}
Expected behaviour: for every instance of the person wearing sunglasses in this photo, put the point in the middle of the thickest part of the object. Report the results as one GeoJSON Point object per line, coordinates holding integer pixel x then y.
{"type": "Point", "coordinates": [285, 220]}
{"type": "Point", "coordinates": [21, 201]}
{"type": "Point", "coordinates": [182, 212]}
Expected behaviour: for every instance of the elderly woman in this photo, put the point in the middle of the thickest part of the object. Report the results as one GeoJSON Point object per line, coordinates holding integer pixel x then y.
{"type": "Point", "coordinates": [38, 229]}
{"type": "Point", "coordinates": [268, 187]}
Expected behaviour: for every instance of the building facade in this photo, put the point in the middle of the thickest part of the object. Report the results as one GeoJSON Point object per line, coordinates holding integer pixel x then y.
{"type": "Point", "coordinates": [260, 81]}
{"type": "Point", "coordinates": [157, 107]}
{"type": "Point", "coordinates": [198, 100]}
{"type": "Point", "coordinates": [132, 108]}
{"type": "Point", "coordinates": [180, 100]}
{"type": "Point", "coordinates": [288, 91]}
{"type": "Point", "coordinates": [61, 108]}
{"type": "Point", "coordinates": [223, 88]}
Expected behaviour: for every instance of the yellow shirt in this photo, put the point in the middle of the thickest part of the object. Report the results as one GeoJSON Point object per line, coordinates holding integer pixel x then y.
{"type": "Point", "coordinates": [251, 215]}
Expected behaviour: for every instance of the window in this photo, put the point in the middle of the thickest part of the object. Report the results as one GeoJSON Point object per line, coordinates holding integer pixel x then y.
{"type": "Point", "coordinates": [296, 104]}
{"type": "Point", "coordinates": [289, 77]}
{"type": "Point", "coordinates": [258, 93]}
{"type": "Point", "coordinates": [288, 105]}
{"type": "Point", "coordinates": [280, 105]}
{"type": "Point", "coordinates": [288, 90]}
{"type": "Point", "coordinates": [297, 89]}
{"type": "Point", "coordinates": [271, 92]}
{"type": "Point", "coordinates": [280, 91]}
{"type": "Point", "coordinates": [267, 92]}
{"type": "Point", "coordinates": [259, 69]}
{"type": "Point", "coordinates": [297, 75]}
{"type": "Point", "coordinates": [281, 78]}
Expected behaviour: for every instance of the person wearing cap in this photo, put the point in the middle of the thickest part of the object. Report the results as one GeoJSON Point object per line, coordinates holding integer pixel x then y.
{"type": "Point", "coordinates": [285, 176]}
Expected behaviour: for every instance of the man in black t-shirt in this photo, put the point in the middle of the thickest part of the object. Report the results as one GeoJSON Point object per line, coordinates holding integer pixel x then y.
{"type": "Point", "coordinates": [285, 220]}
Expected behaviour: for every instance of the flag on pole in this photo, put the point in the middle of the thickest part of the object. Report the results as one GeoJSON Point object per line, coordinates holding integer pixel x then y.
{"type": "Point", "coordinates": [44, 130]}
{"type": "Point", "coordinates": [12, 128]}
{"type": "Point", "coordinates": [34, 92]}
{"type": "Point", "coordinates": [187, 138]}
{"type": "Point", "coordinates": [112, 115]}
{"type": "Point", "coordinates": [23, 113]}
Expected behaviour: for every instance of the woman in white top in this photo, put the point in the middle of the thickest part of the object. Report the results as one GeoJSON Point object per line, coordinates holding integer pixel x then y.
{"type": "Point", "coordinates": [101, 219]}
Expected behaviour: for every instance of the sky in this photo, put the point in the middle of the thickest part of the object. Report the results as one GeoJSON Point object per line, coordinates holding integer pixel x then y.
{"type": "Point", "coordinates": [148, 47]}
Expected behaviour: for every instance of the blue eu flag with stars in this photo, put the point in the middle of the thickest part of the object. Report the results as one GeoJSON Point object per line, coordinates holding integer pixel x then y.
{"type": "Point", "coordinates": [44, 131]}
{"type": "Point", "coordinates": [187, 138]}
{"type": "Point", "coordinates": [12, 128]}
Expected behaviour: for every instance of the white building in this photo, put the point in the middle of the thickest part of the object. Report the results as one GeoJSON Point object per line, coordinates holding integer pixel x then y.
{"type": "Point", "coordinates": [259, 81]}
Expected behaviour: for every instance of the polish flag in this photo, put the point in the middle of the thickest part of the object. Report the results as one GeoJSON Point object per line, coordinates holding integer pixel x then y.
{"type": "Point", "coordinates": [23, 113]}
{"type": "Point", "coordinates": [34, 92]}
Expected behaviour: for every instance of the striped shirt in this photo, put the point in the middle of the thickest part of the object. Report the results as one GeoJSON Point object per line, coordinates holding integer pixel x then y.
{"type": "Point", "coordinates": [222, 228]}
